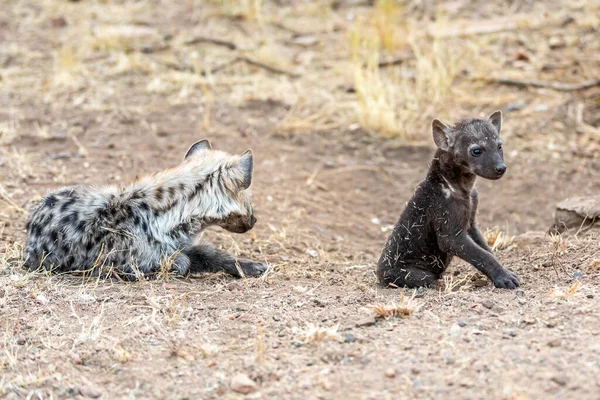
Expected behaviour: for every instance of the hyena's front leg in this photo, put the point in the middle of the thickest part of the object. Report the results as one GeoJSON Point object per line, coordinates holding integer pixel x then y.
{"type": "Point", "coordinates": [206, 258]}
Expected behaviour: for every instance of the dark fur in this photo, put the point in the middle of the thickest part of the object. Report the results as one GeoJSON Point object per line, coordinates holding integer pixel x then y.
{"type": "Point", "coordinates": [439, 220]}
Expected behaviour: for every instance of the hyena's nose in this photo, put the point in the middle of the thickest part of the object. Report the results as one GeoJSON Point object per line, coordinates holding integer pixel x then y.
{"type": "Point", "coordinates": [501, 168]}
{"type": "Point", "coordinates": [252, 220]}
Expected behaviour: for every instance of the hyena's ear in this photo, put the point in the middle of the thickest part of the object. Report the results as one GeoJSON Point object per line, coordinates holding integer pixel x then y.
{"type": "Point", "coordinates": [245, 167]}
{"type": "Point", "coordinates": [496, 120]}
{"type": "Point", "coordinates": [198, 146]}
{"type": "Point", "coordinates": [440, 132]}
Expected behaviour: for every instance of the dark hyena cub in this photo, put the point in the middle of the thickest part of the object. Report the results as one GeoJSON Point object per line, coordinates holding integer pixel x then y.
{"type": "Point", "coordinates": [439, 221]}
{"type": "Point", "coordinates": [134, 230]}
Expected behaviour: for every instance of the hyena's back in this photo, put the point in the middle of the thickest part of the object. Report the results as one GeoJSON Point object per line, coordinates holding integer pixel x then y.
{"type": "Point", "coordinates": [82, 228]}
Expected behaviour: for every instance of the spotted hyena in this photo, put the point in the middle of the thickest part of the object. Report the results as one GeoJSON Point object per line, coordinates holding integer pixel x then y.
{"type": "Point", "coordinates": [134, 230]}
{"type": "Point", "coordinates": [439, 221]}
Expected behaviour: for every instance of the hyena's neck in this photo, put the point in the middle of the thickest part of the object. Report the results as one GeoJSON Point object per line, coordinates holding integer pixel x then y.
{"type": "Point", "coordinates": [445, 168]}
{"type": "Point", "coordinates": [177, 199]}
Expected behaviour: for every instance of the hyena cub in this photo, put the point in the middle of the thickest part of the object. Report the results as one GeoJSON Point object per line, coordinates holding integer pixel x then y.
{"type": "Point", "coordinates": [439, 221]}
{"type": "Point", "coordinates": [135, 229]}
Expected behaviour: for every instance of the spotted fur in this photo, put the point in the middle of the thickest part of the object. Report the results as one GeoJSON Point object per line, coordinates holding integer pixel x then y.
{"type": "Point", "coordinates": [134, 230]}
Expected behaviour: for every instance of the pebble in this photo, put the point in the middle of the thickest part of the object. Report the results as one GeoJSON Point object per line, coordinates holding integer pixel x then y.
{"type": "Point", "coordinates": [21, 340]}
{"type": "Point", "coordinates": [242, 384]}
{"type": "Point", "coordinates": [90, 391]}
{"type": "Point", "coordinates": [515, 107]}
{"type": "Point", "coordinates": [312, 253]}
{"type": "Point", "coordinates": [41, 299]}
{"type": "Point", "coordinates": [509, 332]}
{"type": "Point", "coordinates": [554, 343]}
{"type": "Point", "coordinates": [367, 321]}
{"type": "Point", "coordinates": [488, 304]}
{"type": "Point", "coordinates": [560, 380]}
{"type": "Point", "coordinates": [350, 338]}
{"type": "Point", "coordinates": [390, 373]}
{"type": "Point", "coordinates": [462, 324]}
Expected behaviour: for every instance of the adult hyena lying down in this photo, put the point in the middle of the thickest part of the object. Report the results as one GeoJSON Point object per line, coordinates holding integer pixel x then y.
{"type": "Point", "coordinates": [135, 229]}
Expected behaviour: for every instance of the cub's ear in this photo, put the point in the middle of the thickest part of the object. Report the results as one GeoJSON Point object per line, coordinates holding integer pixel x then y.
{"type": "Point", "coordinates": [198, 146]}
{"type": "Point", "coordinates": [496, 120]}
{"type": "Point", "coordinates": [245, 167]}
{"type": "Point", "coordinates": [440, 134]}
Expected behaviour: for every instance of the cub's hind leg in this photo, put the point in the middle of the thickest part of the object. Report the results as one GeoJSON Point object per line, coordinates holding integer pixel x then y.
{"type": "Point", "coordinates": [405, 276]}
{"type": "Point", "coordinates": [204, 258]}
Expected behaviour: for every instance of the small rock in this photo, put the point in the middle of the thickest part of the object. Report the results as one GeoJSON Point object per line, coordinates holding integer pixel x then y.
{"type": "Point", "coordinates": [541, 107]}
{"type": "Point", "coordinates": [480, 282]}
{"type": "Point", "coordinates": [488, 304]}
{"type": "Point", "coordinates": [41, 299]}
{"type": "Point", "coordinates": [349, 338]}
{"type": "Point", "coordinates": [319, 303]}
{"type": "Point", "coordinates": [577, 275]}
{"type": "Point", "coordinates": [242, 384]}
{"type": "Point", "coordinates": [390, 373]}
{"type": "Point", "coordinates": [554, 343]}
{"type": "Point", "coordinates": [556, 42]}
{"type": "Point", "coordinates": [58, 22]}
{"type": "Point", "coordinates": [90, 391]}
{"type": "Point", "coordinates": [515, 107]}
{"type": "Point", "coordinates": [367, 321]}
{"type": "Point", "coordinates": [509, 332]}
{"type": "Point", "coordinates": [312, 253]}
{"type": "Point", "coordinates": [462, 324]}
{"type": "Point", "coordinates": [559, 380]}
{"type": "Point", "coordinates": [21, 340]}
{"type": "Point", "coordinates": [590, 296]}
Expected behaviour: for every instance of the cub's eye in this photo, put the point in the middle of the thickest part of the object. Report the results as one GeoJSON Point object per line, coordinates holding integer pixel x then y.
{"type": "Point", "coordinates": [476, 152]}
{"type": "Point", "coordinates": [499, 146]}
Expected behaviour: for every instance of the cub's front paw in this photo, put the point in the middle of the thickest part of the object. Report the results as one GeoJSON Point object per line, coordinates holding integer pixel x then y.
{"type": "Point", "coordinates": [506, 280]}
{"type": "Point", "coordinates": [252, 268]}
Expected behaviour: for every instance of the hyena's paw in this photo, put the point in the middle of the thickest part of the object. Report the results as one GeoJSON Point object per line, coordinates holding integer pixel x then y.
{"type": "Point", "coordinates": [251, 268]}
{"type": "Point", "coordinates": [506, 280]}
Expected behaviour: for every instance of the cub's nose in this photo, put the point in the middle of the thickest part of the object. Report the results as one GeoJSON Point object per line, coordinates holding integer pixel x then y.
{"type": "Point", "coordinates": [252, 220]}
{"type": "Point", "coordinates": [500, 168]}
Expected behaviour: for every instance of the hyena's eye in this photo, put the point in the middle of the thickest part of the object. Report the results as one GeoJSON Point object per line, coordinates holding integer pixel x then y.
{"type": "Point", "coordinates": [476, 152]}
{"type": "Point", "coordinates": [499, 146]}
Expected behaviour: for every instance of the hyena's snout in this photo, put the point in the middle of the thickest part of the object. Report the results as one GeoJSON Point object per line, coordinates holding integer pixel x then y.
{"type": "Point", "coordinates": [239, 223]}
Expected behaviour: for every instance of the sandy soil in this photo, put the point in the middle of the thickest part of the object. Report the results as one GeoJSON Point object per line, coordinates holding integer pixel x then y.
{"type": "Point", "coordinates": [83, 101]}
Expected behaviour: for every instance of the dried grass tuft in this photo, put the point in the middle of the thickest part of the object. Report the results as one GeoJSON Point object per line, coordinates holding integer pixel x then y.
{"type": "Point", "coordinates": [405, 307]}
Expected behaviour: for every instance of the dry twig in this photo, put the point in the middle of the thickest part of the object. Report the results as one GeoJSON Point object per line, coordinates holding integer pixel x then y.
{"type": "Point", "coordinates": [558, 86]}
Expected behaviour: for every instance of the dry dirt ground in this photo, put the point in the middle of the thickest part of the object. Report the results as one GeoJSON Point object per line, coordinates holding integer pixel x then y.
{"type": "Point", "coordinates": [103, 91]}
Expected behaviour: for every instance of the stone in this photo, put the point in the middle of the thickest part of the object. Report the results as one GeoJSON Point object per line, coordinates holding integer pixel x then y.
{"type": "Point", "coordinates": [367, 321]}
{"type": "Point", "coordinates": [576, 212]}
{"type": "Point", "coordinates": [91, 391]}
{"type": "Point", "coordinates": [241, 383]}
{"type": "Point", "coordinates": [390, 373]}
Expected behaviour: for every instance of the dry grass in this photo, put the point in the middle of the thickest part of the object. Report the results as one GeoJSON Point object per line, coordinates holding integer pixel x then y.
{"type": "Point", "coordinates": [316, 334]}
{"type": "Point", "coordinates": [405, 307]}
{"type": "Point", "coordinates": [565, 294]}
{"type": "Point", "coordinates": [395, 101]}
{"type": "Point", "coordinates": [498, 239]}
